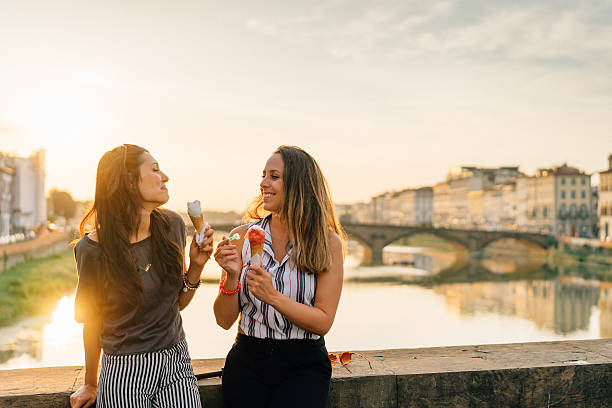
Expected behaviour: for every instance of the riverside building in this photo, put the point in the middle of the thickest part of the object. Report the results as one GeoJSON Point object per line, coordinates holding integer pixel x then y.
{"type": "Point", "coordinates": [23, 204]}
{"type": "Point", "coordinates": [411, 206]}
{"type": "Point", "coordinates": [558, 202]}
{"type": "Point", "coordinates": [605, 202]}
{"type": "Point", "coordinates": [455, 203]}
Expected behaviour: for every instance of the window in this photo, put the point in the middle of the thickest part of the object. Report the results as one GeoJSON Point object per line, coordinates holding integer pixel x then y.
{"type": "Point", "coordinates": [545, 212]}
{"type": "Point", "coordinates": [573, 194]}
{"type": "Point", "coordinates": [583, 181]}
{"type": "Point", "coordinates": [582, 194]}
{"type": "Point", "coordinates": [562, 193]}
{"type": "Point", "coordinates": [562, 180]}
{"type": "Point", "coordinates": [573, 180]}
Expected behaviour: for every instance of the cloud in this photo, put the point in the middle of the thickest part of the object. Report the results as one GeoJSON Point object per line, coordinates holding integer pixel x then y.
{"type": "Point", "coordinates": [261, 26]}
{"type": "Point", "coordinates": [557, 31]}
{"type": "Point", "coordinates": [529, 34]}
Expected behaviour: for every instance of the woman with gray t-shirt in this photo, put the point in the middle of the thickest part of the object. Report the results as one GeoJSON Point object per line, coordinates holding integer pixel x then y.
{"type": "Point", "coordinates": [132, 285]}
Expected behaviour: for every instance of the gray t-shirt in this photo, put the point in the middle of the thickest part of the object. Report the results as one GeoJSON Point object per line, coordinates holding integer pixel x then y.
{"type": "Point", "coordinates": [155, 324]}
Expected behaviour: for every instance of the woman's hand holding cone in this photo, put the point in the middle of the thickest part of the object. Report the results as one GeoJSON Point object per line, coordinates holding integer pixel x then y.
{"type": "Point", "coordinates": [226, 256]}
{"type": "Point", "coordinates": [259, 282]}
{"type": "Point", "coordinates": [200, 254]}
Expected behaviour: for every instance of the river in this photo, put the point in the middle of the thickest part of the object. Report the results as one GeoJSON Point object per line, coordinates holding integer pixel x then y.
{"type": "Point", "coordinates": [417, 300]}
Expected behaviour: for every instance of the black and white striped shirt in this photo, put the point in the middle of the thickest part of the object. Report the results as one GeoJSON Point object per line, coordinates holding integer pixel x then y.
{"type": "Point", "coordinates": [258, 319]}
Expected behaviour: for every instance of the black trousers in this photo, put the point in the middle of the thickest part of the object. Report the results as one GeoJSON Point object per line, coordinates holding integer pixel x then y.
{"type": "Point", "coordinates": [276, 373]}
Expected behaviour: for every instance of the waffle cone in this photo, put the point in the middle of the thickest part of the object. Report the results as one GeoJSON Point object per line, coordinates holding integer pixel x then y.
{"type": "Point", "coordinates": [198, 223]}
{"type": "Point", "coordinates": [257, 249]}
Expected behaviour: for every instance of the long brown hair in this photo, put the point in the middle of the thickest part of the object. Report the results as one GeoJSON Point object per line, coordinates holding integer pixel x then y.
{"type": "Point", "coordinates": [307, 208]}
{"type": "Point", "coordinates": [115, 214]}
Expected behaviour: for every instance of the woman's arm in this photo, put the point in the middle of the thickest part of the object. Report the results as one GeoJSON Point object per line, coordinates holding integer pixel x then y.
{"type": "Point", "coordinates": [86, 395]}
{"type": "Point", "coordinates": [316, 319]}
{"type": "Point", "coordinates": [198, 256]}
{"type": "Point", "coordinates": [229, 257]}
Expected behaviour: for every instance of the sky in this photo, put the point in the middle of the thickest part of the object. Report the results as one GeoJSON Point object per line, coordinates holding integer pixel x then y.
{"type": "Point", "coordinates": [384, 94]}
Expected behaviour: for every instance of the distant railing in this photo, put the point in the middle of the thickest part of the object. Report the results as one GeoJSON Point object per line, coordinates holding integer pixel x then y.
{"type": "Point", "coordinates": [14, 238]}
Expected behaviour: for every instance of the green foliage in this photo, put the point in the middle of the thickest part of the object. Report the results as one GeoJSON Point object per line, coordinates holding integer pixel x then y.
{"type": "Point", "coordinates": [63, 203]}
{"type": "Point", "coordinates": [428, 241]}
{"type": "Point", "coordinates": [34, 286]}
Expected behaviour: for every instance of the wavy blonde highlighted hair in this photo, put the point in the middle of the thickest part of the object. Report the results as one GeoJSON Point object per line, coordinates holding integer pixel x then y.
{"type": "Point", "coordinates": [308, 210]}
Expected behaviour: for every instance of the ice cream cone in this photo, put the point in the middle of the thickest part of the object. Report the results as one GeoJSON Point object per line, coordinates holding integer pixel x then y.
{"type": "Point", "coordinates": [257, 239]}
{"type": "Point", "coordinates": [198, 223]}
{"type": "Point", "coordinates": [195, 214]}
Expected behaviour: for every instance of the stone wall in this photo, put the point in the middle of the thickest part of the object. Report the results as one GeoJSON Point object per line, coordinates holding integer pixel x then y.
{"type": "Point", "coordinates": [14, 254]}
{"type": "Point", "coordinates": [559, 374]}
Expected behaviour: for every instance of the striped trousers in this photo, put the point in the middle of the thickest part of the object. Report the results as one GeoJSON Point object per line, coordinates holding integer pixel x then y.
{"type": "Point", "coordinates": [149, 380]}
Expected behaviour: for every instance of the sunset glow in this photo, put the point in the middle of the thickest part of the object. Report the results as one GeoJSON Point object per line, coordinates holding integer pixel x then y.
{"type": "Point", "coordinates": [390, 94]}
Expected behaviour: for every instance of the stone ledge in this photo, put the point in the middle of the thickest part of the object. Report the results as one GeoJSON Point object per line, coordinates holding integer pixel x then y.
{"type": "Point", "coordinates": [560, 374]}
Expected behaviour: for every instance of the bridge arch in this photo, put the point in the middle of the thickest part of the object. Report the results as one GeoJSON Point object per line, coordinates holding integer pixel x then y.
{"type": "Point", "coordinates": [367, 249]}
{"type": "Point", "coordinates": [375, 237]}
{"type": "Point", "coordinates": [525, 241]}
{"type": "Point", "coordinates": [458, 244]}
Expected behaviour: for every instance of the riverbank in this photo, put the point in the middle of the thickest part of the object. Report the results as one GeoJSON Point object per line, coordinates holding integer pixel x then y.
{"type": "Point", "coordinates": [33, 287]}
{"type": "Point", "coordinates": [586, 263]}
{"type": "Point", "coordinates": [427, 241]}
{"type": "Point", "coordinates": [573, 255]}
{"type": "Point", "coordinates": [39, 247]}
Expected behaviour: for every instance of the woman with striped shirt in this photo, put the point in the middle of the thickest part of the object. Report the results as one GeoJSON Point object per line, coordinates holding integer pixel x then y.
{"type": "Point", "coordinates": [288, 302]}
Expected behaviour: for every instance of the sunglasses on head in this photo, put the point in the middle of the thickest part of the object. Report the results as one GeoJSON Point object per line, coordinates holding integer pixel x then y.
{"type": "Point", "coordinates": [125, 149]}
{"type": "Point", "coordinates": [344, 358]}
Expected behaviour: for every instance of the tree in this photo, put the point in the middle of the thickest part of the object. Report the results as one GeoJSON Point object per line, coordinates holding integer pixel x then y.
{"type": "Point", "coordinates": [63, 203]}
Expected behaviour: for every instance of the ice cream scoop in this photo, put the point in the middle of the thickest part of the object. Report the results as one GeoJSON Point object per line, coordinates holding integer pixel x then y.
{"type": "Point", "coordinates": [195, 213]}
{"type": "Point", "coordinates": [257, 239]}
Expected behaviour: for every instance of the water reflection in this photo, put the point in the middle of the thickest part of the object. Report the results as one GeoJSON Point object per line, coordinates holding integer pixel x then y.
{"type": "Point", "coordinates": [62, 335]}
{"type": "Point", "coordinates": [605, 307]}
{"type": "Point", "coordinates": [21, 345]}
{"type": "Point", "coordinates": [558, 305]}
{"type": "Point", "coordinates": [562, 299]}
{"type": "Point", "coordinates": [421, 298]}
{"type": "Point", "coordinates": [423, 259]}
{"type": "Point", "coordinates": [45, 341]}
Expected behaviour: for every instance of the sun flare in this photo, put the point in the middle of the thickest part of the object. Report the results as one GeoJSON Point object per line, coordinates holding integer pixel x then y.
{"type": "Point", "coordinates": [62, 329]}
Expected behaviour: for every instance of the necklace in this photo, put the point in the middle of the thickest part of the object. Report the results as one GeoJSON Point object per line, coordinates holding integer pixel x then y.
{"type": "Point", "coordinates": [145, 269]}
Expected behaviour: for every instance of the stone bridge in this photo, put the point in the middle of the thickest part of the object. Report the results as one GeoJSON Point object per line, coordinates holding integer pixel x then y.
{"type": "Point", "coordinates": [375, 237]}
